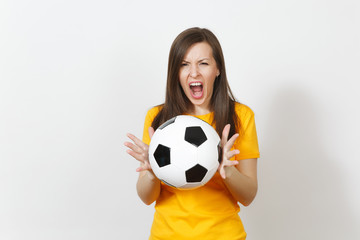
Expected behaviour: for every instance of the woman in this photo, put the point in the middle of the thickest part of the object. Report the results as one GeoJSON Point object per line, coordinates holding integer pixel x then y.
{"type": "Point", "coordinates": [197, 86]}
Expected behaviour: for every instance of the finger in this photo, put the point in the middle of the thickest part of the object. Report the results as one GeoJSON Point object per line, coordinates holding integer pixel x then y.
{"type": "Point", "coordinates": [222, 172]}
{"type": "Point", "coordinates": [226, 164]}
{"type": "Point", "coordinates": [225, 134]}
{"type": "Point", "coordinates": [137, 141]}
{"type": "Point", "coordinates": [143, 168]}
{"type": "Point", "coordinates": [231, 163]}
{"type": "Point", "coordinates": [151, 132]}
{"type": "Point", "coordinates": [230, 143]}
{"type": "Point", "coordinates": [232, 153]}
{"type": "Point", "coordinates": [138, 156]}
{"type": "Point", "coordinates": [133, 147]}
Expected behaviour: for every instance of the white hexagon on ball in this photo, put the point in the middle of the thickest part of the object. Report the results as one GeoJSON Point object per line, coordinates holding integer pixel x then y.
{"type": "Point", "coordinates": [184, 152]}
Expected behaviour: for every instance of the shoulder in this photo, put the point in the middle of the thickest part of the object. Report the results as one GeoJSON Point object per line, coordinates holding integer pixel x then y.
{"type": "Point", "coordinates": [243, 111]}
{"type": "Point", "coordinates": [153, 112]}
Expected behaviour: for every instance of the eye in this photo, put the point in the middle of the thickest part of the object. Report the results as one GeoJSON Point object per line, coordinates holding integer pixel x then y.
{"type": "Point", "coordinates": [204, 63]}
{"type": "Point", "coordinates": [184, 64]}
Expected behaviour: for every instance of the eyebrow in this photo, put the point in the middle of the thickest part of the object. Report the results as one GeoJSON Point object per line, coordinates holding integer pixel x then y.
{"type": "Point", "coordinates": [202, 59]}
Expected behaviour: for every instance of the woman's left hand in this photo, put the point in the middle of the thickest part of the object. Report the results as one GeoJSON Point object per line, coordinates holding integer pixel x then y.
{"type": "Point", "coordinates": [227, 153]}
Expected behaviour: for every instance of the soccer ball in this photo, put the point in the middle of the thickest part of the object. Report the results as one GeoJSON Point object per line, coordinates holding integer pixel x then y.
{"type": "Point", "coordinates": [185, 152]}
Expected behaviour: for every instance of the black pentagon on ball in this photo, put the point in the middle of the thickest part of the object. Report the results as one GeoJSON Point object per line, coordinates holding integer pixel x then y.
{"type": "Point", "coordinates": [195, 136]}
{"type": "Point", "coordinates": [195, 174]}
{"type": "Point", "coordinates": [162, 155]}
{"type": "Point", "coordinates": [167, 123]}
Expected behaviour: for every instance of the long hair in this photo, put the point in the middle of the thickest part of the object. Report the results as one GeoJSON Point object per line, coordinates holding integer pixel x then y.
{"type": "Point", "coordinates": [222, 101]}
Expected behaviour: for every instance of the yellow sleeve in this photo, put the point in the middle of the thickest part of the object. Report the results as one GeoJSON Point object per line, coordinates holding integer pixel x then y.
{"type": "Point", "coordinates": [247, 142]}
{"type": "Point", "coordinates": [151, 114]}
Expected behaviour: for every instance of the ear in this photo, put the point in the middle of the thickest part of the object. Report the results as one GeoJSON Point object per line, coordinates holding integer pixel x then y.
{"type": "Point", "coordinates": [217, 73]}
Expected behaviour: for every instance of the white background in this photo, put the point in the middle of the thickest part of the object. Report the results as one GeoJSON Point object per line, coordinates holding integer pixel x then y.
{"type": "Point", "coordinates": [76, 76]}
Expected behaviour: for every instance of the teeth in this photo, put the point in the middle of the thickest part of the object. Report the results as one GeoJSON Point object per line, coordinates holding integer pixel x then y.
{"type": "Point", "coordinates": [195, 84]}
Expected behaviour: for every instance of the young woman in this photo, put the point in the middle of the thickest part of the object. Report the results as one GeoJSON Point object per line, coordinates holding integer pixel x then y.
{"type": "Point", "coordinates": [197, 86]}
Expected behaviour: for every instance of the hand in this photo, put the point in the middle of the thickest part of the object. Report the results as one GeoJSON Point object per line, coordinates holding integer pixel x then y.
{"type": "Point", "coordinates": [227, 153]}
{"type": "Point", "coordinates": [139, 150]}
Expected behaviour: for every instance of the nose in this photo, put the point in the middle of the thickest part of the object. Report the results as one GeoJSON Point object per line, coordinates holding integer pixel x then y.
{"type": "Point", "coordinates": [194, 71]}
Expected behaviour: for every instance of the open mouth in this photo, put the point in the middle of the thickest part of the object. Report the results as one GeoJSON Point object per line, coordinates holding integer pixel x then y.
{"type": "Point", "coordinates": [196, 89]}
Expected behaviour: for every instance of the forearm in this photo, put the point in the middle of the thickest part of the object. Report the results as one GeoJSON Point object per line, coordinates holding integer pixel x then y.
{"type": "Point", "coordinates": [148, 187]}
{"type": "Point", "coordinates": [242, 187]}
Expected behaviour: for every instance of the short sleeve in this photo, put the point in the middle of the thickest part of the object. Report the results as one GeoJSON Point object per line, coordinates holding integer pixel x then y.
{"type": "Point", "coordinates": [247, 141]}
{"type": "Point", "coordinates": [149, 118]}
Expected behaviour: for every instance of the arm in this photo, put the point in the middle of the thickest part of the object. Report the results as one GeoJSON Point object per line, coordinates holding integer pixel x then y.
{"type": "Point", "coordinates": [241, 180]}
{"type": "Point", "coordinates": [148, 186]}
{"type": "Point", "coordinates": [240, 177]}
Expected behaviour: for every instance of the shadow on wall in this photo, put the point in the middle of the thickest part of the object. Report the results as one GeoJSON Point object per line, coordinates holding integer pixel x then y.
{"type": "Point", "coordinates": [302, 194]}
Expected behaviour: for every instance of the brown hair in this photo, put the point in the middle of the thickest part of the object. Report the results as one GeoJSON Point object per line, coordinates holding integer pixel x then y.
{"type": "Point", "coordinates": [222, 101]}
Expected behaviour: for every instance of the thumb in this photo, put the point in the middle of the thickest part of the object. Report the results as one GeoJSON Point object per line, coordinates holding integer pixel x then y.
{"type": "Point", "coordinates": [151, 132]}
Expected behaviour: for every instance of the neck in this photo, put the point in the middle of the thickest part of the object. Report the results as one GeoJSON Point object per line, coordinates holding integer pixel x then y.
{"type": "Point", "coordinates": [198, 110]}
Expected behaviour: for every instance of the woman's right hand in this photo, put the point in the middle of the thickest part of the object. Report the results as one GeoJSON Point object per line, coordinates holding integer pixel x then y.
{"type": "Point", "coordinates": [139, 150]}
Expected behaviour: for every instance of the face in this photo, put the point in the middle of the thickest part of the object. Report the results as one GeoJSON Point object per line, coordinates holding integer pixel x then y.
{"type": "Point", "coordinates": [197, 76]}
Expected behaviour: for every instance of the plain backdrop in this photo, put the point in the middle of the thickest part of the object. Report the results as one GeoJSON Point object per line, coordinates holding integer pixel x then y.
{"type": "Point", "coordinates": [76, 76]}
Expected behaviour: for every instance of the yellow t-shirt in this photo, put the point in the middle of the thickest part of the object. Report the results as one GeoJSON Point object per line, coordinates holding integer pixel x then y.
{"type": "Point", "coordinates": [209, 212]}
